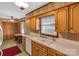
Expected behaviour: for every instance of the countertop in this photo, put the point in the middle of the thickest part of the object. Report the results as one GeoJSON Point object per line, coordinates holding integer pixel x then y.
{"type": "Point", "coordinates": [65, 46]}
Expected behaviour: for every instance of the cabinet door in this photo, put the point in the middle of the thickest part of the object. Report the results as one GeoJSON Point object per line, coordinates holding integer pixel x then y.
{"type": "Point", "coordinates": [35, 51]}
{"type": "Point", "coordinates": [74, 18]}
{"type": "Point", "coordinates": [35, 48]}
{"type": "Point", "coordinates": [24, 42]}
{"type": "Point", "coordinates": [27, 22]}
{"type": "Point", "coordinates": [38, 49]}
{"type": "Point", "coordinates": [62, 20]}
{"type": "Point", "coordinates": [42, 52]}
{"type": "Point", "coordinates": [33, 23]}
{"type": "Point", "coordinates": [51, 52]}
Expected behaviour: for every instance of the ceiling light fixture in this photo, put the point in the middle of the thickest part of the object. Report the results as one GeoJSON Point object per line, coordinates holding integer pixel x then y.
{"type": "Point", "coordinates": [22, 5]}
{"type": "Point", "coordinates": [12, 18]}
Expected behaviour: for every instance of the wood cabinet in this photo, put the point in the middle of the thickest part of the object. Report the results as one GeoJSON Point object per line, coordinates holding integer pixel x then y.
{"type": "Point", "coordinates": [38, 49]}
{"type": "Point", "coordinates": [52, 52]}
{"type": "Point", "coordinates": [62, 20]}
{"type": "Point", "coordinates": [41, 50]}
{"type": "Point", "coordinates": [66, 16]}
{"type": "Point", "coordinates": [74, 18]}
{"type": "Point", "coordinates": [35, 50]}
{"type": "Point", "coordinates": [9, 29]}
{"type": "Point", "coordinates": [49, 7]}
{"type": "Point", "coordinates": [33, 23]}
{"type": "Point", "coordinates": [67, 19]}
{"type": "Point", "coordinates": [27, 21]}
{"type": "Point", "coordinates": [24, 42]}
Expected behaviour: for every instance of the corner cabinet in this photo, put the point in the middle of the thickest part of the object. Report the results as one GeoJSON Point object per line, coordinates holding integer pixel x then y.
{"type": "Point", "coordinates": [62, 20]}
{"type": "Point", "coordinates": [74, 18]}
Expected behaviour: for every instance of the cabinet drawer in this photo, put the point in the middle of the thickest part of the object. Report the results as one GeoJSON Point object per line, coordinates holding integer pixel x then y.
{"type": "Point", "coordinates": [38, 44]}
{"type": "Point", "coordinates": [52, 52]}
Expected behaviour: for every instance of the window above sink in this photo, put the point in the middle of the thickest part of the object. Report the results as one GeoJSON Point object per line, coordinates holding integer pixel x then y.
{"type": "Point", "coordinates": [47, 25]}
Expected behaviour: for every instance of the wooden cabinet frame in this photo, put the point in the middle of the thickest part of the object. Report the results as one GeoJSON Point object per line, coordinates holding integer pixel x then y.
{"type": "Point", "coordinates": [73, 23]}
{"type": "Point", "coordinates": [42, 50]}
{"type": "Point", "coordinates": [65, 22]}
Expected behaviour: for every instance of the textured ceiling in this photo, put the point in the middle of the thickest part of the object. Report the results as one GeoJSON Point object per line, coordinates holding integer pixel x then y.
{"type": "Point", "coordinates": [8, 9]}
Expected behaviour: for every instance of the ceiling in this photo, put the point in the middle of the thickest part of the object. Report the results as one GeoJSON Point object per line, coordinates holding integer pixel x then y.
{"type": "Point", "coordinates": [8, 9]}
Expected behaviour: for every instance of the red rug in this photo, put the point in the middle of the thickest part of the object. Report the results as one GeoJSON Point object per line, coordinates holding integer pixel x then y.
{"type": "Point", "coordinates": [12, 51]}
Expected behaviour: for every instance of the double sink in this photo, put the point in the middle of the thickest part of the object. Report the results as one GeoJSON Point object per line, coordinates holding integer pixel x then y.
{"type": "Point", "coordinates": [42, 39]}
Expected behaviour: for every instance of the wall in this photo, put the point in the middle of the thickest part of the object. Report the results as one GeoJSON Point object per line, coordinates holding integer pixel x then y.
{"type": "Point", "coordinates": [9, 28]}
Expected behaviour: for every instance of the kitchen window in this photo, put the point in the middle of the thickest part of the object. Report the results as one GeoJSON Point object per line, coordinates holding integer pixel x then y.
{"type": "Point", "coordinates": [47, 25]}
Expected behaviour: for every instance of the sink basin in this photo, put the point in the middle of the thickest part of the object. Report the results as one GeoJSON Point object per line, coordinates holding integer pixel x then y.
{"type": "Point", "coordinates": [46, 41]}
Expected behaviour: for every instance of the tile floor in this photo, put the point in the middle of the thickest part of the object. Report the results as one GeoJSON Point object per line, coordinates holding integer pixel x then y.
{"type": "Point", "coordinates": [11, 43]}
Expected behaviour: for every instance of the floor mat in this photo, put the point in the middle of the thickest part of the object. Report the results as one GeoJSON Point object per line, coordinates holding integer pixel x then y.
{"type": "Point", "coordinates": [12, 51]}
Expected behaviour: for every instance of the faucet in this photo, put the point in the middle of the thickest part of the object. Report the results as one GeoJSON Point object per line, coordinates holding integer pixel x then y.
{"type": "Point", "coordinates": [53, 39]}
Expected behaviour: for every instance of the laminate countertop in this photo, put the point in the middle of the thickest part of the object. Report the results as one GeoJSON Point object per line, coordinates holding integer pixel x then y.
{"type": "Point", "coordinates": [65, 46]}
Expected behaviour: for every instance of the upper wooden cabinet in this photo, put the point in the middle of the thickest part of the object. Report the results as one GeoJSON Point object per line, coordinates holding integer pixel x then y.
{"type": "Point", "coordinates": [27, 22]}
{"type": "Point", "coordinates": [62, 20]}
{"type": "Point", "coordinates": [67, 19]}
{"type": "Point", "coordinates": [74, 18]}
{"type": "Point", "coordinates": [33, 23]}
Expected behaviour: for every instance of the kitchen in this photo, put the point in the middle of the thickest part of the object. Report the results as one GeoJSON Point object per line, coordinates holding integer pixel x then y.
{"type": "Point", "coordinates": [50, 30]}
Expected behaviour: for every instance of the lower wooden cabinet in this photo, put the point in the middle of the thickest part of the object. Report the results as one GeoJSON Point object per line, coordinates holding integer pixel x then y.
{"type": "Point", "coordinates": [41, 50]}
{"type": "Point", "coordinates": [38, 49]}
{"type": "Point", "coordinates": [24, 42]}
{"type": "Point", "coordinates": [52, 52]}
{"type": "Point", "coordinates": [34, 51]}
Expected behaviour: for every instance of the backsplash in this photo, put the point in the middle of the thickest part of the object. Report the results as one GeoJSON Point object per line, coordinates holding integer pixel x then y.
{"type": "Point", "coordinates": [69, 36]}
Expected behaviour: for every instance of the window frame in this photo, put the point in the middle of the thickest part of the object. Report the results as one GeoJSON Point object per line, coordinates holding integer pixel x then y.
{"type": "Point", "coordinates": [52, 25]}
